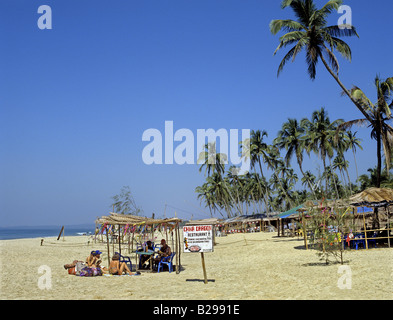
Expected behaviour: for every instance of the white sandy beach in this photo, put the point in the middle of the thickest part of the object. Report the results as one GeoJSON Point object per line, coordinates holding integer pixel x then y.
{"type": "Point", "coordinates": [242, 266]}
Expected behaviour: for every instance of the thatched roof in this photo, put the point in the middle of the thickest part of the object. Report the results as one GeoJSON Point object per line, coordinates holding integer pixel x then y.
{"type": "Point", "coordinates": [122, 219]}
{"type": "Point", "coordinates": [373, 197]}
{"type": "Point", "coordinates": [209, 221]}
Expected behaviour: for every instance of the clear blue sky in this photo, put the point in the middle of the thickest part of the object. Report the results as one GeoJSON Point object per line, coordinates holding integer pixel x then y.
{"type": "Point", "coordinates": [75, 100]}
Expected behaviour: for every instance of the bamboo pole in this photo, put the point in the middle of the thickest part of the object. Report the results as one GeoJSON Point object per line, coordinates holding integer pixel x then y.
{"type": "Point", "coordinates": [304, 231]}
{"type": "Point", "coordinates": [177, 248]}
{"type": "Point", "coordinates": [180, 247]}
{"type": "Point", "coordinates": [107, 244]}
{"type": "Point", "coordinates": [365, 230]}
{"type": "Point", "coordinates": [119, 240]}
{"type": "Point", "coordinates": [388, 221]}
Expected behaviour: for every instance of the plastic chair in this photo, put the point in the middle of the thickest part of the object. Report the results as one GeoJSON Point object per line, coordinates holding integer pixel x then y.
{"type": "Point", "coordinates": [360, 240]}
{"type": "Point", "coordinates": [374, 241]}
{"type": "Point", "coordinates": [125, 259]}
{"type": "Point", "coordinates": [167, 261]}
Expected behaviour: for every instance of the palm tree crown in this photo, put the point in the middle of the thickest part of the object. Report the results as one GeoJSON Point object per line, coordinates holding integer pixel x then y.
{"type": "Point", "coordinates": [310, 32]}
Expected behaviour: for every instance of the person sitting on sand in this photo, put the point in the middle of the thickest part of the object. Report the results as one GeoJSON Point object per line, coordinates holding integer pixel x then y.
{"type": "Point", "coordinates": [165, 251]}
{"type": "Point", "coordinates": [98, 258]}
{"type": "Point", "coordinates": [117, 268]}
{"type": "Point", "coordinates": [94, 259]}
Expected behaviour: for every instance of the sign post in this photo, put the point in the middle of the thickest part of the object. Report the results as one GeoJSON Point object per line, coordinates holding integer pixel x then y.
{"type": "Point", "coordinates": [198, 239]}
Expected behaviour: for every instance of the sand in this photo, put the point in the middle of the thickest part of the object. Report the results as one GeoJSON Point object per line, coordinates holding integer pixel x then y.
{"type": "Point", "coordinates": [242, 266]}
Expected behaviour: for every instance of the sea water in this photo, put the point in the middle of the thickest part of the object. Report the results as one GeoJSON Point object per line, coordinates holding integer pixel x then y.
{"type": "Point", "coordinates": [8, 233]}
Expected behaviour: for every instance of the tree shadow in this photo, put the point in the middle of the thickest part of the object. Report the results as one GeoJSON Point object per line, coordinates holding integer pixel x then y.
{"type": "Point", "coordinates": [324, 264]}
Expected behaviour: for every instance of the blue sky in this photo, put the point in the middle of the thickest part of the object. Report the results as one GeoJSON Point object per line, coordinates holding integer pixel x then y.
{"type": "Point", "coordinates": [76, 99]}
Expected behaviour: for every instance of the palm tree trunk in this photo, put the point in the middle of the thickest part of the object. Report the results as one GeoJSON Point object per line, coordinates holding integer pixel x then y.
{"type": "Point", "coordinates": [309, 182]}
{"type": "Point", "coordinates": [379, 157]}
{"type": "Point", "coordinates": [356, 165]}
{"type": "Point", "coordinates": [345, 89]}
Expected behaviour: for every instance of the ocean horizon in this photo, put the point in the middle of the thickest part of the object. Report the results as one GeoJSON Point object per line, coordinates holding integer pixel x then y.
{"type": "Point", "coordinates": [23, 232]}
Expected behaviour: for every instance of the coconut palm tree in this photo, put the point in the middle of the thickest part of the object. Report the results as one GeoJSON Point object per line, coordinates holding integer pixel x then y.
{"type": "Point", "coordinates": [340, 164]}
{"type": "Point", "coordinates": [378, 116]}
{"type": "Point", "coordinates": [291, 138]}
{"type": "Point", "coordinates": [341, 144]}
{"type": "Point", "coordinates": [319, 137]}
{"type": "Point", "coordinates": [310, 32]}
{"type": "Point", "coordinates": [353, 143]}
{"type": "Point", "coordinates": [258, 149]}
{"type": "Point", "coordinates": [309, 180]}
{"type": "Point", "coordinates": [211, 160]}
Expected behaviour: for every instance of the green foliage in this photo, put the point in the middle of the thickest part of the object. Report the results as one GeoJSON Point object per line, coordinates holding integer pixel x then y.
{"type": "Point", "coordinates": [124, 202]}
{"type": "Point", "coordinates": [328, 226]}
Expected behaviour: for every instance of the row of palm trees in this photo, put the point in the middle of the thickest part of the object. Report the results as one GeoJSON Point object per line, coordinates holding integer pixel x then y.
{"type": "Point", "coordinates": [271, 186]}
{"type": "Point", "coordinates": [329, 140]}
{"type": "Point", "coordinates": [310, 32]}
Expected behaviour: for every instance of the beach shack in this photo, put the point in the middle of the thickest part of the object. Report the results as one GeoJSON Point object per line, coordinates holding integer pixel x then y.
{"type": "Point", "coordinates": [133, 231]}
{"type": "Point", "coordinates": [249, 223]}
{"type": "Point", "coordinates": [369, 214]}
{"type": "Point", "coordinates": [378, 201]}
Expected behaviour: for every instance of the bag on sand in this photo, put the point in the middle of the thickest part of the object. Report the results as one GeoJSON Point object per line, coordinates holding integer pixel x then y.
{"type": "Point", "coordinates": [78, 267]}
{"type": "Point", "coordinates": [71, 270]}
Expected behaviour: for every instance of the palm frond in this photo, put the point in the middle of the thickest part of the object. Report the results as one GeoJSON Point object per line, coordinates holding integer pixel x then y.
{"type": "Point", "coordinates": [348, 124]}
{"type": "Point", "coordinates": [333, 60]}
{"type": "Point", "coordinates": [285, 25]}
{"type": "Point", "coordinates": [330, 6]}
{"type": "Point", "coordinates": [342, 47]}
{"type": "Point", "coordinates": [343, 30]}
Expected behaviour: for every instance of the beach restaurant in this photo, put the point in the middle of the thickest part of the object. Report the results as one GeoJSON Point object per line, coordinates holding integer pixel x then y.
{"type": "Point", "coordinates": [119, 230]}
{"type": "Point", "coordinates": [370, 212]}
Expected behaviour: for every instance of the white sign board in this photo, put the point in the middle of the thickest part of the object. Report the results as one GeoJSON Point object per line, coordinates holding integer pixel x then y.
{"type": "Point", "coordinates": [198, 238]}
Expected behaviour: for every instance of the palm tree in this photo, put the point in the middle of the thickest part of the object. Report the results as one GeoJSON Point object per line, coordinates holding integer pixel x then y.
{"type": "Point", "coordinates": [206, 194]}
{"type": "Point", "coordinates": [212, 160]}
{"type": "Point", "coordinates": [353, 143]}
{"type": "Point", "coordinates": [340, 164]}
{"type": "Point", "coordinates": [341, 143]}
{"type": "Point", "coordinates": [378, 115]}
{"type": "Point", "coordinates": [319, 135]}
{"type": "Point", "coordinates": [291, 138]}
{"type": "Point", "coordinates": [309, 180]}
{"type": "Point", "coordinates": [258, 149]}
{"type": "Point", "coordinates": [311, 32]}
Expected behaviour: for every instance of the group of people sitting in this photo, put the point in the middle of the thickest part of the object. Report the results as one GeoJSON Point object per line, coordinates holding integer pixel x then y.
{"type": "Point", "coordinates": [92, 265]}
{"type": "Point", "coordinates": [145, 260]}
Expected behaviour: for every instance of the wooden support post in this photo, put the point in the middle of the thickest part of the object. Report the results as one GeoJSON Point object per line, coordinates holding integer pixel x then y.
{"type": "Point", "coordinates": [204, 268]}
{"type": "Point", "coordinates": [304, 229]}
{"type": "Point", "coordinates": [61, 232]}
{"type": "Point", "coordinates": [119, 240]}
{"type": "Point", "coordinates": [177, 248]}
{"type": "Point", "coordinates": [388, 222]}
{"type": "Point", "coordinates": [365, 230]}
{"type": "Point", "coordinates": [107, 244]}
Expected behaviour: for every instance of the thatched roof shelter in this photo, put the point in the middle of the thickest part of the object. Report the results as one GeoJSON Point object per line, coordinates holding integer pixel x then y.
{"type": "Point", "coordinates": [122, 219]}
{"type": "Point", "coordinates": [209, 221]}
{"type": "Point", "coordinates": [126, 221]}
{"type": "Point", "coordinates": [373, 197]}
